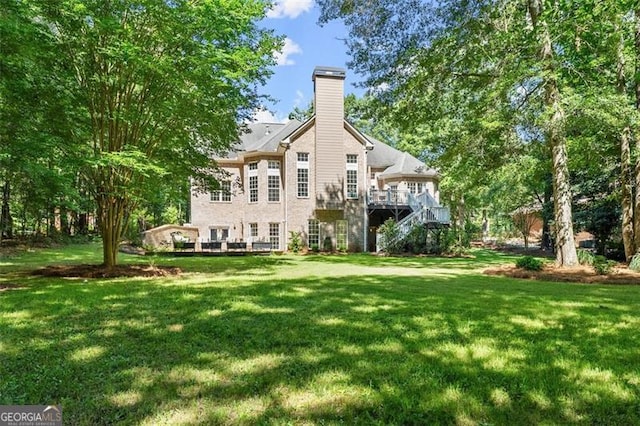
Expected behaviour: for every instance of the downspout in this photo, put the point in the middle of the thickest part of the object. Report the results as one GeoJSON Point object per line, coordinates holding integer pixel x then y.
{"type": "Point", "coordinates": [365, 231]}
{"type": "Point", "coordinates": [285, 144]}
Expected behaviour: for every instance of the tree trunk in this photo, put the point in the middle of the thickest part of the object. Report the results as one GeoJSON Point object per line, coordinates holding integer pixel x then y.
{"type": "Point", "coordinates": [113, 216]}
{"type": "Point", "coordinates": [107, 212]}
{"type": "Point", "coordinates": [628, 237]}
{"type": "Point", "coordinates": [565, 243]}
{"type": "Point", "coordinates": [6, 221]}
{"type": "Point", "coordinates": [547, 215]}
{"type": "Point", "coordinates": [625, 162]}
{"type": "Point", "coordinates": [636, 180]}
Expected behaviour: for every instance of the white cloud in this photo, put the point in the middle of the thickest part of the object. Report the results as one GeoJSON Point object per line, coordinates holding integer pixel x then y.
{"type": "Point", "coordinates": [289, 8]}
{"type": "Point", "coordinates": [263, 115]}
{"type": "Point", "coordinates": [299, 98]}
{"type": "Point", "coordinates": [290, 48]}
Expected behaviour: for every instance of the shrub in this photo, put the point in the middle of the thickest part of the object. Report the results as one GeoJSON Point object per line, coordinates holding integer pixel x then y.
{"type": "Point", "coordinates": [327, 245]}
{"type": "Point", "coordinates": [416, 241]}
{"type": "Point", "coordinates": [529, 263]}
{"type": "Point", "coordinates": [295, 241]}
{"type": "Point", "coordinates": [634, 265]}
{"type": "Point", "coordinates": [315, 248]}
{"type": "Point", "coordinates": [388, 231]}
{"type": "Point", "coordinates": [586, 257]}
{"type": "Point", "coordinates": [602, 265]}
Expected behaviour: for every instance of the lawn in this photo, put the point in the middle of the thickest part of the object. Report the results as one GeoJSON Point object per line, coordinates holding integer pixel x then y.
{"type": "Point", "coordinates": [317, 339]}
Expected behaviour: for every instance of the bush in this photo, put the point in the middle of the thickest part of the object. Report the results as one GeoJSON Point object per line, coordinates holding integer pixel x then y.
{"type": "Point", "coordinates": [585, 257]}
{"type": "Point", "coordinates": [602, 265]}
{"type": "Point", "coordinates": [417, 240]}
{"type": "Point", "coordinates": [388, 231]}
{"type": "Point", "coordinates": [529, 263]}
{"type": "Point", "coordinates": [634, 265]}
{"type": "Point", "coordinates": [327, 245]}
{"type": "Point", "coordinates": [295, 241]}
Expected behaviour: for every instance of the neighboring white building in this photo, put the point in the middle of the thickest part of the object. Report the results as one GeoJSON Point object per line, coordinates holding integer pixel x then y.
{"type": "Point", "coordinates": [322, 178]}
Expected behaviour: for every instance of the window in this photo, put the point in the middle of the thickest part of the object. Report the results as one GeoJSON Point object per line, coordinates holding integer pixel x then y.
{"type": "Point", "coordinates": [253, 230]}
{"type": "Point", "coordinates": [223, 194]}
{"type": "Point", "coordinates": [303, 174]}
{"type": "Point", "coordinates": [421, 188]}
{"type": "Point", "coordinates": [314, 234]}
{"type": "Point", "coordinates": [341, 235]}
{"type": "Point", "coordinates": [412, 187]}
{"type": "Point", "coordinates": [219, 234]}
{"type": "Point", "coordinates": [352, 176]}
{"type": "Point", "coordinates": [253, 182]}
{"type": "Point", "coordinates": [273, 181]}
{"type": "Point", "coordinates": [274, 235]}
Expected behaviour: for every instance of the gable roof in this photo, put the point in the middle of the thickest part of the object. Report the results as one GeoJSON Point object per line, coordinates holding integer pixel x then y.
{"type": "Point", "coordinates": [395, 162]}
{"type": "Point", "coordinates": [266, 138]}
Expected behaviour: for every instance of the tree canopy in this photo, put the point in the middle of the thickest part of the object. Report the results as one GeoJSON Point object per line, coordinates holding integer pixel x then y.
{"type": "Point", "coordinates": [155, 88]}
{"type": "Point", "coordinates": [478, 84]}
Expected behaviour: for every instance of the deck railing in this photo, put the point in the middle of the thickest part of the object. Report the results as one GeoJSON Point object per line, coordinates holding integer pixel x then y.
{"type": "Point", "coordinates": [425, 210]}
{"type": "Point", "coordinates": [388, 197]}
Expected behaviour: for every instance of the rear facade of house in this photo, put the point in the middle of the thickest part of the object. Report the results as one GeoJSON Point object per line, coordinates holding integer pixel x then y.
{"type": "Point", "coordinates": [323, 179]}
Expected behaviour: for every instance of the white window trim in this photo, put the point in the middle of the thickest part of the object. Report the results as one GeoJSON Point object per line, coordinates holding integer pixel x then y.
{"type": "Point", "coordinates": [305, 166]}
{"type": "Point", "coordinates": [219, 193]}
{"type": "Point", "coordinates": [351, 166]}
{"type": "Point", "coordinates": [253, 172]}
{"type": "Point", "coordinates": [272, 171]}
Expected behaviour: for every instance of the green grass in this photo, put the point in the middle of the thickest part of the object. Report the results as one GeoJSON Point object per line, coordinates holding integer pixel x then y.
{"type": "Point", "coordinates": [318, 339]}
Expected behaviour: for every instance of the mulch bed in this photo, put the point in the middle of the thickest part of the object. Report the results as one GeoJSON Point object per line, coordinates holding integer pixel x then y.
{"type": "Point", "coordinates": [100, 271]}
{"type": "Point", "coordinates": [580, 274]}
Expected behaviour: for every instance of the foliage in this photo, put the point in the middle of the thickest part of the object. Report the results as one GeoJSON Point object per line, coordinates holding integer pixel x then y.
{"type": "Point", "coordinates": [418, 240]}
{"type": "Point", "coordinates": [600, 217]}
{"type": "Point", "coordinates": [388, 241]}
{"type": "Point", "coordinates": [327, 245]}
{"type": "Point", "coordinates": [481, 85]}
{"type": "Point", "coordinates": [586, 257]}
{"type": "Point", "coordinates": [602, 265]}
{"type": "Point", "coordinates": [634, 265]}
{"type": "Point", "coordinates": [529, 263]}
{"type": "Point", "coordinates": [295, 241]}
{"type": "Point", "coordinates": [157, 88]}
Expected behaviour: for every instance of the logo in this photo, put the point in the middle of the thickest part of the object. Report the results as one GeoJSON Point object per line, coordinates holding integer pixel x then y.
{"type": "Point", "coordinates": [30, 415]}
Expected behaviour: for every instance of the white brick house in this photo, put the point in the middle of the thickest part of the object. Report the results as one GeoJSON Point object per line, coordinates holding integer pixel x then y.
{"type": "Point", "coordinates": [322, 178]}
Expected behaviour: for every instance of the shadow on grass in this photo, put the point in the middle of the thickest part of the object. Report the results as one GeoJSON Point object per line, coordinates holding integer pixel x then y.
{"type": "Point", "coordinates": [356, 349]}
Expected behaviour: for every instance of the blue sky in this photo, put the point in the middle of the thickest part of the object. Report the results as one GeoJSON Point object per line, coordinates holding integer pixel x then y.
{"type": "Point", "coordinates": [307, 45]}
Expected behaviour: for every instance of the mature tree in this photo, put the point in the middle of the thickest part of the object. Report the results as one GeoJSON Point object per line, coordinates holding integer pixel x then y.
{"type": "Point", "coordinates": [479, 82]}
{"type": "Point", "coordinates": [163, 86]}
{"type": "Point", "coordinates": [36, 118]}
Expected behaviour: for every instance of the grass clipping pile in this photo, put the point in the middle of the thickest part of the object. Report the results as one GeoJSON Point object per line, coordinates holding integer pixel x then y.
{"type": "Point", "coordinates": [620, 274]}
{"type": "Point", "coordinates": [100, 271]}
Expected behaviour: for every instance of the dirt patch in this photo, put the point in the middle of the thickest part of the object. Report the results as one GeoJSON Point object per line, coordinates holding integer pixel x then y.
{"type": "Point", "coordinates": [578, 274]}
{"type": "Point", "coordinates": [99, 271]}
